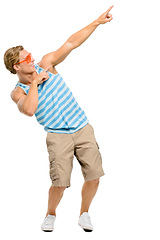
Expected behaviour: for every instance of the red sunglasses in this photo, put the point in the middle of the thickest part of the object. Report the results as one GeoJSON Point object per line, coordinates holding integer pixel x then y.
{"type": "Point", "coordinates": [27, 59]}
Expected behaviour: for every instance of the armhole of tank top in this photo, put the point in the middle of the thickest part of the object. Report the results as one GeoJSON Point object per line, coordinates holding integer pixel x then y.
{"type": "Point", "coordinates": [22, 89]}
{"type": "Point", "coordinates": [54, 74]}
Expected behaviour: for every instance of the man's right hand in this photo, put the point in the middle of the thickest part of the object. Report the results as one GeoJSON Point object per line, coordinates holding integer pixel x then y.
{"type": "Point", "coordinates": [43, 76]}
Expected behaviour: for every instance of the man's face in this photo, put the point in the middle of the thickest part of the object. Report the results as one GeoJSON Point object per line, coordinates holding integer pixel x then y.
{"type": "Point", "coordinates": [26, 63]}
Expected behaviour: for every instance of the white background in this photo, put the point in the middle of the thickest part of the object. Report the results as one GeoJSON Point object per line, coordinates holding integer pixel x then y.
{"type": "Point", "coordinates": [115, 78]}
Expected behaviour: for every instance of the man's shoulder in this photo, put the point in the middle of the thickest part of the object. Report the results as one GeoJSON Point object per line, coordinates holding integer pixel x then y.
{"type": "Point", "coordinates": [16, 93]}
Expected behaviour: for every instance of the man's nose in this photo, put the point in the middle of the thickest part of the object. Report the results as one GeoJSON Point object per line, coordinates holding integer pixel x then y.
{"type": "Point", "coordinates": [32, 58]}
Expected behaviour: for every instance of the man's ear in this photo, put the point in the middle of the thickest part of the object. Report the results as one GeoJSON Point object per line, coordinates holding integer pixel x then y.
{"type": "Point", "coordinates": [16, 67]}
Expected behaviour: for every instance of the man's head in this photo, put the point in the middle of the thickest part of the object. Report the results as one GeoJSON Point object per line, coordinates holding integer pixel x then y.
{"type": "Point", "coordinates": [17, 59]}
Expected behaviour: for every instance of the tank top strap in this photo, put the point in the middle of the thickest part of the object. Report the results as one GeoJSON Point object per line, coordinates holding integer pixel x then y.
{"type": "Point", "coordinates": [38, 68]}
{"type": "Point", "coordinates": [23, 86]}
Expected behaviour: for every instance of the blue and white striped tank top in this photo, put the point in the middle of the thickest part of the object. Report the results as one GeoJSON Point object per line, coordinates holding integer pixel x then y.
{"type": "Point", "coordinates": [57, 109]}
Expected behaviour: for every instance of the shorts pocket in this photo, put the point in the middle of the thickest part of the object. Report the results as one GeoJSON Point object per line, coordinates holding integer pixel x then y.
{"type": "Point", "coordinates": [53, 167]}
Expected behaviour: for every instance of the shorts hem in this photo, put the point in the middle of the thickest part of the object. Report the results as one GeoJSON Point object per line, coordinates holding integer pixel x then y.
{"type": "Point", "coordinates": [93, 177]}
{"type": "Point", "coordinates": [59, 183]}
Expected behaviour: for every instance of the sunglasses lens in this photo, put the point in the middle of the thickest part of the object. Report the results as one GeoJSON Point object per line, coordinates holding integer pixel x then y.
{"type": "Point", "coordinates": [28, 58]}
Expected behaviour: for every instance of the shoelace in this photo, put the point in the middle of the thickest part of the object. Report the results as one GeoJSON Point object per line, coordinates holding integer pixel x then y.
{"type": "Point", "coordinates": [48, 220]}
{"type": "Point", "coordinates": [87, 219]}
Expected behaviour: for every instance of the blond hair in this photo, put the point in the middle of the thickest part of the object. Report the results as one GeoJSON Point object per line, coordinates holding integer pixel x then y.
{"type": "Point", "coordinates": [11, 57]}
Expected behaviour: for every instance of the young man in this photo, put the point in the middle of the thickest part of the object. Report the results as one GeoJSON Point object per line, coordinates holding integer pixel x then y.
{"type": "Point", "coordinates": [42, 91]}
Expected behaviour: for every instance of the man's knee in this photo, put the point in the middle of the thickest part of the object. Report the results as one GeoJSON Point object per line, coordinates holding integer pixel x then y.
{"type": "Point", "coordinates": [94, 181]}
{"type": "Point", "coordinates": [61, 189]}
{"type": "Point", "coordinates": [57, 189]}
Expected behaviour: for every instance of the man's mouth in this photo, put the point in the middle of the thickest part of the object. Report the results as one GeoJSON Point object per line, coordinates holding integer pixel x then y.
{"type": "Point", "coordinates": [32, 65]}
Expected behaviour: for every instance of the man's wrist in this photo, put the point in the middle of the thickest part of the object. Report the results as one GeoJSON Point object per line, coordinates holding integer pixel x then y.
{"type": "Point", "coordinates": [96, 23]}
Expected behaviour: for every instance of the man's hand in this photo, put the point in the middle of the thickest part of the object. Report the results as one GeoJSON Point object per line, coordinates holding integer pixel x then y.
{"type": "Point", "coordinates": [43, 76]}
{"type": "Point", "coordinates": [75, 40]}
{"type": "Point", "coordinates": [105, 17]}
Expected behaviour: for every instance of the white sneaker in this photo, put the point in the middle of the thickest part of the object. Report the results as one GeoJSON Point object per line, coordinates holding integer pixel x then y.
{"type": "Point", "coordinates": [85, 222]}
{"type": "Point", "coordinates": [48, 223]}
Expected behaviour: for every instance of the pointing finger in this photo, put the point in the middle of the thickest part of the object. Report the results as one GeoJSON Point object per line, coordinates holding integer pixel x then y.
{"type": "Point", "coordinates": [109, 9]}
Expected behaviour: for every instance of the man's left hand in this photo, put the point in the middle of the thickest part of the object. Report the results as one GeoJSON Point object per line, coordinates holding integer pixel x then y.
{"type": "Point", "coordinates": [105, 17]}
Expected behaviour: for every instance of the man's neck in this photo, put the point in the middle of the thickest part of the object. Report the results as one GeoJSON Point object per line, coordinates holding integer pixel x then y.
{"type": "Point", "coordinates": [27, 79]}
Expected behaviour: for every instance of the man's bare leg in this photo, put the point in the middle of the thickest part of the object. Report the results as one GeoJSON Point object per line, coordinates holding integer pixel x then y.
{"type": "Point", "coordinates": [55, 195]}
{"type": "Point", "coordinates": [89, 190]}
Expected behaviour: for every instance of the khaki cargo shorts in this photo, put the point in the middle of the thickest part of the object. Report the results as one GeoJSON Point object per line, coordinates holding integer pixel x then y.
{"type": "Point", "coordinates": [62, 147]}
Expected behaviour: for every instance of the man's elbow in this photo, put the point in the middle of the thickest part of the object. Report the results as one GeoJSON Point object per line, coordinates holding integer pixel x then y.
{"type": "Point", "coordinates": [72, 44]}
{"type": "Point", "coordinates": [28, 112]}
{"type": "Point", "coordinates": [31, 112]}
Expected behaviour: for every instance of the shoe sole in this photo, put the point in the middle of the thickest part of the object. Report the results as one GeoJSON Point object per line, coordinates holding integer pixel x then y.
{"type": "Point", "coordinates": [87, 230]}
{"type": "Point", "coordinates": [47, 230]}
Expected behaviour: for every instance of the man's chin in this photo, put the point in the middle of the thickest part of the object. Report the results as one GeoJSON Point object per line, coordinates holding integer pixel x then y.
{"type": "Point", "coordinates": [33, 69]}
